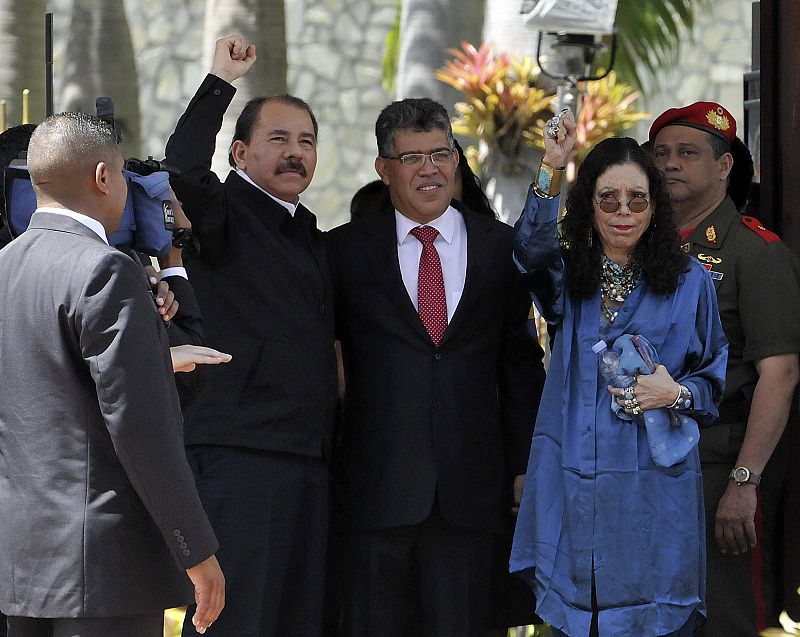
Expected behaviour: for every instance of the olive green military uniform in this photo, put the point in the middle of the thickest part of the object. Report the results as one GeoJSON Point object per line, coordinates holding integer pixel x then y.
{"type": "Point", "coordinates": [756, 277]}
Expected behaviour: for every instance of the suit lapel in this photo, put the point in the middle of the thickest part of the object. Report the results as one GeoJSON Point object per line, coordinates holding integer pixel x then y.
{"type": "Point", "coordinates": [380, 246]}
{"type": "Point", "coordinates": [479, 260]}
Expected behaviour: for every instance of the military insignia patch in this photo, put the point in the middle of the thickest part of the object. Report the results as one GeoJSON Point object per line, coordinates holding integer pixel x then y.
{"type": "Point", "coordinates": [716, 276]}
{"type": "Point", "coordinates": [711, 234]}
{"type": "Point", "coordinates": [718, 119]}
{"type": "Point", "coordinates": [686, 247]}
{"type": "Point", "coordinates": [707, 258]}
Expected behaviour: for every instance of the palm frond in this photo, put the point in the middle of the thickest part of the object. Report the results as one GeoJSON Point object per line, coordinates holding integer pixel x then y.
{"type": "Point", "coordinates": [649, 36]}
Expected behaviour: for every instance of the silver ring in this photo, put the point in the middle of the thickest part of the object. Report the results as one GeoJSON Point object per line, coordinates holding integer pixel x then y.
{"type": "Point", "coordinates": [627, 393]}
{"type": "Point", "coordinates": [554, 123]}
{"type": "Point", "coordinates": [637, 410]}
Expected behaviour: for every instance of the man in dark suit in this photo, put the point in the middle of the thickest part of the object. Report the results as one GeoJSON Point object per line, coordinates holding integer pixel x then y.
{"type": "Point", "coordinates": [100, 522]}
{"type": "Point", "coordinates": [441, 389]}
{"type": "Point", "coordinates": [258, 435]}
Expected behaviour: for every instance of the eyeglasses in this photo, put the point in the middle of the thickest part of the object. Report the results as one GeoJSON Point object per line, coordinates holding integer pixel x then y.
{"type": "Point", "coordinates": [611, 204]}
{"type": "Point", "coordinates": [438, 158]}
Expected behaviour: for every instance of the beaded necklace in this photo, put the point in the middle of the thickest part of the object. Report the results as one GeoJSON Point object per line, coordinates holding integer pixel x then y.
{"type": "Point", "coordinates": [616, 284]}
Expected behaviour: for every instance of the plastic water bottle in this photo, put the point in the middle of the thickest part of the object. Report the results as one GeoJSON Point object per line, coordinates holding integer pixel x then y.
{"type": "Point", "coordinates": [610, 366]}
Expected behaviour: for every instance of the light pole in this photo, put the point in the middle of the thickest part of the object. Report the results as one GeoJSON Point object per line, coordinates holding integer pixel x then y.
{"type": "Point", "coordinates": [574, 29]}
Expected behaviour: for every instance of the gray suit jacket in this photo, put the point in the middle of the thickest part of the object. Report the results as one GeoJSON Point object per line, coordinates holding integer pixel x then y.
{"type": "Point", "coordinates": [99, 515]}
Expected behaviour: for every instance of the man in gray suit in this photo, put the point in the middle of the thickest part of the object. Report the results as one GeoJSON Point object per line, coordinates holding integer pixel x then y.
{"type": "Point", "coordinates": [100, 522]}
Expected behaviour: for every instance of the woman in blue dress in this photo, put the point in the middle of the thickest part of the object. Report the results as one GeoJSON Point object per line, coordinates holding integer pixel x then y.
{"type": "Point", "coordinates": [610, 532]}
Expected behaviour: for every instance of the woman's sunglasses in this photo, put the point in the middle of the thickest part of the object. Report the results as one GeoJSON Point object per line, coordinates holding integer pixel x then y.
{"type": "Point", "coordinates": [610, 204]}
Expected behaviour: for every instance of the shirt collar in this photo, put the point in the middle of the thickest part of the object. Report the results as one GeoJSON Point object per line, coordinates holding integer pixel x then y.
{"type": "Point", "coordinates": [291, 207]}
{"type": "Point", "coordinates": [93, 224]}
{"type": "Point", "coordinates": [445, 224]}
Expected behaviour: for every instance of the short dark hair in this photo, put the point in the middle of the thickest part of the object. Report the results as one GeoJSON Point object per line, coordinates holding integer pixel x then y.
{"type": "Point", "coordinates": [719, 146]}
{"type": "Point", "coordinates": [369, 199]}
{"type": "Point", "coordinates": [417, 114]}
{"type": "Point", "coordinates": [658, 251]}
{"type": "Point", "coordinates": [67, 139]}
{"type": "Point", "coordinates": [249, 116]}
{"type": "Point", "coordinates": [472, 194]}
{"type": "Point", "coordinates": [740, 179]}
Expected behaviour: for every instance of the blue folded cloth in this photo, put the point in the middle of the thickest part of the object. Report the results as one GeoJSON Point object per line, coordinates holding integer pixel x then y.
{"type": "Point", "coordinates": [669, 443]}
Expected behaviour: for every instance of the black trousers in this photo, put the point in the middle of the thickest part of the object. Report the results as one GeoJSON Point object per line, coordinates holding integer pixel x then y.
{"type": "Point", "coordinates": [430, 579]}
{"type": "Point", "coordinates": [150, 625]}
{"type": "Point", "coordinates": [270, 513]}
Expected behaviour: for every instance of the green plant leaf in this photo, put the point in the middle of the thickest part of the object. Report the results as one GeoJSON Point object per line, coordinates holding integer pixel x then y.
{"type": "Point", "coordinates": [391, 53]}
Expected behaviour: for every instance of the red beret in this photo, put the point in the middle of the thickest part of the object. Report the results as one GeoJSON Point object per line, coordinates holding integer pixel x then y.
{"type": "Point", "coordinates": [707, 116]}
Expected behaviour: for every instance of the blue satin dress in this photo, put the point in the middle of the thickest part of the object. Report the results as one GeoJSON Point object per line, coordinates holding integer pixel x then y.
{"type": "Point", "coordinates": [594, 500]}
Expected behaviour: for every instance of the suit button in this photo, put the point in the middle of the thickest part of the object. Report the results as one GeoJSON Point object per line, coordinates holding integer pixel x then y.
{"type": "Point", "coordinates": [437, 405]}
{"type": "Point", "coordinates": [217, 91]}
{"type": "Point", "coordinates": [180, 538]}
{"type": "Point", "coordinates": [176, 532]}
{"type": "Point", "coordinates": [183, 545]}
{"type": "Point", "coordinates": [437, 356]}
{"type": "Point", "coordinates": [186, 552]}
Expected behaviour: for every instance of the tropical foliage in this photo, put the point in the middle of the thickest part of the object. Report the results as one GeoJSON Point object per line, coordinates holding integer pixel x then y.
{"type": "Point", "coordinates": [391, 54]}
{"type": "Point", "coordinates": [649, 34]}
{"type": "Point", "coordinates": [606, 110]}
{"type": "Point", "coordinates": [504, 107]}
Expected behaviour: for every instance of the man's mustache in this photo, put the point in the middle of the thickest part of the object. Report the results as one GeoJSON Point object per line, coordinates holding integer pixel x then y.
{"type": "Point", "coordinates": [291, 165]}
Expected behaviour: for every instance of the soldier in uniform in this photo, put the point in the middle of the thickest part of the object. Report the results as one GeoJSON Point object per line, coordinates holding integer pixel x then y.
{"type": "Point", "coordinates": [756, 278]}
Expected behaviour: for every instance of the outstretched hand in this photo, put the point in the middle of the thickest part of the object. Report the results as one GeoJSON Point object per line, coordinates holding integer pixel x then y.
{"type": "Point", "coordinates": [186, 357]}
{"type": "Point", "coordinates": [233, 57]}
{"type": "Point", "coordinates": [558, 148]}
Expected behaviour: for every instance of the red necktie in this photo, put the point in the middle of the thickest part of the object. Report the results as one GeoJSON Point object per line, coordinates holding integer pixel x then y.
{"type": "Point", "coordinates": [432, 305]}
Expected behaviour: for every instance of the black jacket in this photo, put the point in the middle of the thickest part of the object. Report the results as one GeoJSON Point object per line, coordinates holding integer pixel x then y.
{"type": "Point", "coordinates": [263, 284]}
{"type": "Point", "coordinates": [419, 421]}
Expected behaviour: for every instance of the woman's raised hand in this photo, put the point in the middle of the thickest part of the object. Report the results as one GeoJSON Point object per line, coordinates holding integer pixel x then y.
{"type": "Point", "coordinates": [560, 134]}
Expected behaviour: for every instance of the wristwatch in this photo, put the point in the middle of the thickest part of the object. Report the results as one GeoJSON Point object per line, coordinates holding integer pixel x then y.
{"type": "Point", "coordinates": [181, 237]}
{"type": "Point", "coordinates": [743, 475]}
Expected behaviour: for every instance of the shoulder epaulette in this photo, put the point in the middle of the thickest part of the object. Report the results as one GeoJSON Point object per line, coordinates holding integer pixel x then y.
{"type": "Point", "coordinates": [756, 226]}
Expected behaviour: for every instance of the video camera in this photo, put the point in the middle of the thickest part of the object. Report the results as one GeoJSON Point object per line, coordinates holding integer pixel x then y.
{"type": "Point", "coordinates": [147, 221]}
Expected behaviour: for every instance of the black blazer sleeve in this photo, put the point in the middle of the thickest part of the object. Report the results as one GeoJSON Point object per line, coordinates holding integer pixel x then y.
{"type": "Point", "coordinates": [520, 378]}
{"type": "Point", "coordinates": [186, 327]}
{"type": "Point", "coordinates": [190, 149]}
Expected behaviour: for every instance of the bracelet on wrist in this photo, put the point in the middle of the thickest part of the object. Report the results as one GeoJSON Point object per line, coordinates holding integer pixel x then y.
{"type": "Point", "coordinates": [683, 400]}
{"type": "Point", "coordinates": [547, 184]}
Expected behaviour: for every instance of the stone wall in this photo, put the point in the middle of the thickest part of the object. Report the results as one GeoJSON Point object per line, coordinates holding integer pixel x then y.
{"type": "Point", "coordinates": [335, 55]}
{"type": "Point", "coordinates": [167, 38]}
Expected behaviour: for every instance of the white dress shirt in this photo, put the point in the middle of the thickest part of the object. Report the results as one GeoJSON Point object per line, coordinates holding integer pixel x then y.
{"type": "Point", "coordinates": [291, 207]}
{"type": "Point", "coordinates": [451, 244]}
{"type": "Point", "coordinates": [175, 270]}
{"type": "Point", "coordinates": [93, 224]}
